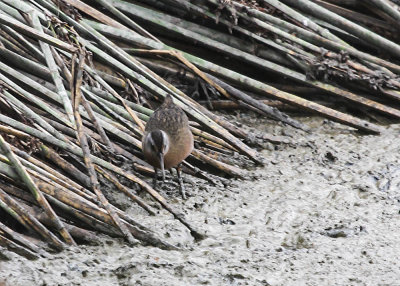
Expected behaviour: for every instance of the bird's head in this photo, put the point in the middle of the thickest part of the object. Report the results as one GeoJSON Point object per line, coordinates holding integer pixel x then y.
{"type": "Point", "coordinates": [157, 143]}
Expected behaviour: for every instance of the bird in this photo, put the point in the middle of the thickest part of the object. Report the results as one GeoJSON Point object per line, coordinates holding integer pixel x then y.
{"type": "Point", "coordinates": [167, 140]}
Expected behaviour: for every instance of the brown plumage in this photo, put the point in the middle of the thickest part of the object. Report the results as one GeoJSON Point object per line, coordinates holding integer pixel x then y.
{"type": "Point", "coordinates": [167, 140]}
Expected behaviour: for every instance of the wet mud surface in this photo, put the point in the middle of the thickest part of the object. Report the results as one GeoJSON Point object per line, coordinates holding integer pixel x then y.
{"type": "Point", "coordinates": [322, 211]}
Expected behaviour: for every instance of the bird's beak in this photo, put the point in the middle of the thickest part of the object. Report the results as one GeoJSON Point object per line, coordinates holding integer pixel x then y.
{"type": "Point", "coordinates": [161, 159]}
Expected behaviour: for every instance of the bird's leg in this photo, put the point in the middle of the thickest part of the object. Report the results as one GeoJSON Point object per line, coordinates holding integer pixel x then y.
{"type": "Point", "coordinates": [180, 181]}
{"type": "Point", "coordinates": [155, 178]}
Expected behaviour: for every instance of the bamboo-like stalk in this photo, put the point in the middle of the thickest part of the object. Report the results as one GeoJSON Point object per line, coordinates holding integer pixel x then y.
{"type": "Point", "coordinates": [111, 80]}
{"type": "Point", "coordinates": [26, 178]}
{"type": "Point", "coordinates": [71, 204]}
{"type": "Point", "coordinates": [98, 219]}
{"type": "Point", "coordinates": [133, 10]}
{"type": "Point", "coordinates": [330, 43]}
{"type": "Point", "coordinates": [43, 90]}
{"type": "Point", "coordinates": [33, 50]}
{"type": "Point", "coordinates": [52, 188]}
{"type": "Point", "coordinates": [73, 200]}
{"type": "Point", "coordinates": [64, 165]}
{"type": "Point", "coordinates": [269, 111]}
{"type": "Point", "coordinates": [10, 45]}
{"type": "Point", "coordinates": [54, 71]}
{"type": "Point", "coordinates": [303, 20]}
{"type": "Point", "coordinates": [203, 119]}
{"type": "Point", "coordinates": [13, 45]}
{"type": "Point", "coordinates": [249, 47]}
{"type": "Point", "coordinates": [263, 64]}
{"type": "Point", "coordinates": [90, 220]}
{"type": "Point", "coordinates": [360, 18]}
{"type": "Point", "coordinates": [23, 63]}
{"type": "Point", "coordinates": [231, 170]}
{"type": "Point", "coordinates": [32, 115]}
{"type": "Point", "coordinates": [363, 33]}
{"type": "Point", "coordinates": [14, 132]}
{"type": "Point", "coordinates": [128, 21]}
{"type": "Point", "coordinates": [211, 137]}
{"type": "Point", "coordinates": [86, 105]}
{"type": "Point", "coordinates": [106, 95]}
{"type": "Point", "coordinates": [81, 234]}
{"type": "Point", "coordinates": [68, 184]}
{"type": "Point", "coordinates": [26, 30]}
{"type": "Point", "coordinates": [77, 97]}
{"type": "Point", "coordinates": [121, 131]}
{"type": "Point", "coordinates": [120, 113]}
{"type": "Point", "coordinates": [24, 7]}
{"type": "Point", "coordinates": [261, 87]}
{"type": "Point", "coordinates": [116, 95]}
{"type": "Point", "coordinates": [213, 146]}
{"type": "Point", "coordinates": [14, 213]}
{"type": "Point", "coordinates": [108, 109]}
{"type": "Point", "coordinates": [96, 124]}
{"type": "Point", "coordinates": [166, 67]}
{"type": "Point", "coordinates": [232, 105]}
{"type": "Point", "coordinates": [39, 102]}
{"type": "Point", "coordinates": [125, 190]}
{"type": "Point", "coordinates": [333, 41]}
{"type": "Point", "coordinates": [21, 250]}
{"type": "Point", "coordinates": [20, 239]}
{"type": "Point", "coordinates": [277, 31]}
{"type": "Point", "coordinates": [221, 86]}
{"type": "Point", "coordinates": [77, 151]}
{"type": "Point", "coordinates": [137, 164]}
{"type": "Point", "coordinates": [387, 8]}
{"type": "Point", "coordinates": [123, 56]}
{"type": "Point", "coordinates": [13, 208]}
{"type": "Point", "coordinates": [10, 10]}
{"type": "Point", "coordinates": [96, 14]}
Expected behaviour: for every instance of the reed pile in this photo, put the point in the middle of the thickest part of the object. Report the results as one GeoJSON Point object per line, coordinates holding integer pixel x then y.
{"type": "Point", "coordinates": [79, 80]}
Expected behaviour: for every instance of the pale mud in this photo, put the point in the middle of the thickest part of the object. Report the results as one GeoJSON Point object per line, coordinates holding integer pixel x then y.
{"type": "Point", "coordinates": [323, 211]}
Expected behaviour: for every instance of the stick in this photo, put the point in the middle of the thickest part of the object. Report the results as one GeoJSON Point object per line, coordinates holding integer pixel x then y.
{"type": "Point", "coordinates": [76, 95]}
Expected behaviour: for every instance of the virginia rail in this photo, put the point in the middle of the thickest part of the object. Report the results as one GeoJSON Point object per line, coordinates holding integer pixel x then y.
{"type": "Point", "coordinates": [167, 140]}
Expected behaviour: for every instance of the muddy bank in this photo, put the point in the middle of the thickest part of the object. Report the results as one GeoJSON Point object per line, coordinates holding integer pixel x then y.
{"type": "Point", "coordinates": [323, 211]}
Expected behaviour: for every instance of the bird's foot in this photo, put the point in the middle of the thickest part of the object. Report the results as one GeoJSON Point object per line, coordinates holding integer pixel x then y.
{"type": "Point", "coordinates": [181, 185]}
{"type": "Point", "coordinates": [182, 190]}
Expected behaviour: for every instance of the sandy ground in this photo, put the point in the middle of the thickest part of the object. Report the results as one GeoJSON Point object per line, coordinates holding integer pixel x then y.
{"type": "Point", "coordinates": [323, 211]}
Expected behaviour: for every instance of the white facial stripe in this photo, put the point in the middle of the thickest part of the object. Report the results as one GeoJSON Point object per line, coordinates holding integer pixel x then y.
{"type": "Point", "coordinates": [148, 141]}
{"type": "Point", "coordinates": [165, 136]}
{"type": "Point", "coordinates": [165, 141]}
